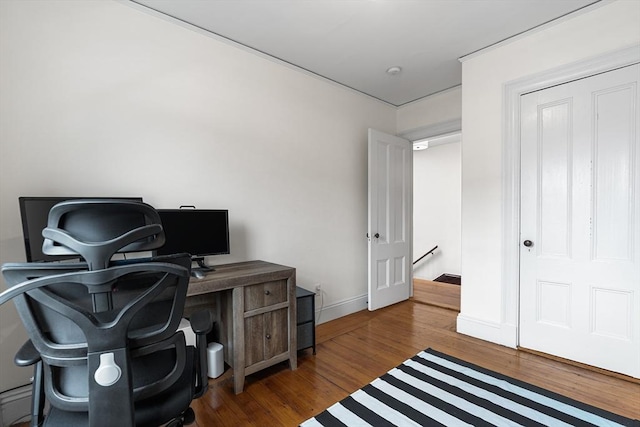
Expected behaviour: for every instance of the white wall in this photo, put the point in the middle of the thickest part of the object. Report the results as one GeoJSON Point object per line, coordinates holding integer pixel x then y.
{"type": "Point", "coordinates": [99, 98]}
{"type": "Point", "coordinates": [436, 184]}
{"type": "Point", "coordinates": [604, 29]}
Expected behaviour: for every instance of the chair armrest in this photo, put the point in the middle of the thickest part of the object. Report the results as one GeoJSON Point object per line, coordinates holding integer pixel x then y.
{"type": "Point", "coordinates": [201, 322]}
{"type": "Point", "coordinates": [27, 355]}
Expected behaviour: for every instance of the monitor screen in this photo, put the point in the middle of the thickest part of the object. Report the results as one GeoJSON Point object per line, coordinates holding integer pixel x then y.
{"type": "Point", "coordinates": [198, 232]}
{"type": "Point", "coordinates": [34, 212]}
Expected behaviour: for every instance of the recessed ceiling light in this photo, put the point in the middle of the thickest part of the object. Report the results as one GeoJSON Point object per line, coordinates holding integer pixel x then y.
{"type": "Point", "coordinates": [394, 70]}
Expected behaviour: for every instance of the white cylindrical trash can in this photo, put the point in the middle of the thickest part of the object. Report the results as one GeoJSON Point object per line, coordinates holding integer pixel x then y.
{"type": "Point", "coordinates": [215, 358]}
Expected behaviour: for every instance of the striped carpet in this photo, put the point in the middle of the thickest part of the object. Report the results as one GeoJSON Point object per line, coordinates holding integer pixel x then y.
{"type": "Point", "coordinates": [434, 389]}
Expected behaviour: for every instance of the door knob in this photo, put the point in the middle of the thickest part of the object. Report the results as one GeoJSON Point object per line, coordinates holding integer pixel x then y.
{"type": "Point", "coordinates": [528, 243]}
{"type": "Point", "coordinates": [377, 235]}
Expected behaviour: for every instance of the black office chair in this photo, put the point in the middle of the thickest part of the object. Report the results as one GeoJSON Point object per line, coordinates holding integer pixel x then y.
{"type": "Point", "coordinates": [103, 333]}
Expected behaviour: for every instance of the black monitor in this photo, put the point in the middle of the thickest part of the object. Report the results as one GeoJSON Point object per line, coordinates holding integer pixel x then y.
{"type": "Point", "coordinates": [34, 212]}
{"type": "Point", "coordinates": [199, 232]}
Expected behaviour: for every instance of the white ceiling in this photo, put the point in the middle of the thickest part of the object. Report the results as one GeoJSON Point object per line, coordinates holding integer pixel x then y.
{"type": "Point", "coordinates": [354, 42]}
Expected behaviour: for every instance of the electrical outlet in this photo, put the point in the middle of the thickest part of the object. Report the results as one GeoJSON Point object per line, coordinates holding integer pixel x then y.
{"type": "Point", "coordinates": [318, 288]}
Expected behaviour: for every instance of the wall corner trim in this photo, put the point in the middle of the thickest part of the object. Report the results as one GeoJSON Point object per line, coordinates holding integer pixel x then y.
{"type": "Point", "coordinates": [499, 333]}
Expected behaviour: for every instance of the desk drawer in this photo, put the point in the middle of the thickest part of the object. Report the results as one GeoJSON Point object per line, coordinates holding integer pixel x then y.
{"type": "Point", "coordinates": [264, 294]}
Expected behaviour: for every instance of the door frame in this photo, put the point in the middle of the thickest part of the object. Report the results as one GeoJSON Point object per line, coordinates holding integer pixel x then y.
{"type": "Point", "coordinates": [512, 91]}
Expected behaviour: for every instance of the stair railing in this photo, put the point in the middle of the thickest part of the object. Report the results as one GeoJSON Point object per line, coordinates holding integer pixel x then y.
{"type": "Point", "coordinates": [428, 253]}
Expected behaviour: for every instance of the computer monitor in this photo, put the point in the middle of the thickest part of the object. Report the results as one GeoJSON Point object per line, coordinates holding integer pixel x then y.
{"type": "Point", "coordinates": [198, 232]}
{"type": "Point", "coordinates": [34, 212]}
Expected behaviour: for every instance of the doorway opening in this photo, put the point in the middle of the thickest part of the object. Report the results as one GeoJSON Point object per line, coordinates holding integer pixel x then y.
{"type": "Point", "coordinates": [437, 218]}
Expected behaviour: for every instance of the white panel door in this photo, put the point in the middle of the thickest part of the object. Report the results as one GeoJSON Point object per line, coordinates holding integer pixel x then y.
{"type": "Point", "coordinates": [580, 221]}
{"type": "Point", "coordinates": [390, 219]}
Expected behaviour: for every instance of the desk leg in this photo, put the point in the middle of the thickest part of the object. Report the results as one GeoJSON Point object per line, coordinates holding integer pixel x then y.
{"type": "Point", "coordinates": [238, 339]}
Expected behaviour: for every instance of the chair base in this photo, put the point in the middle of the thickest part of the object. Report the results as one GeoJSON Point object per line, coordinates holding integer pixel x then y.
{"type": "Point", "coordinates": [77, 419]}
{"type": "Point", "coordinates": [188, 417]}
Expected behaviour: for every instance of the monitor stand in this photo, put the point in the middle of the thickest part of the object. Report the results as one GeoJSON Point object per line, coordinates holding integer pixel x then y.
{"type": "Point", "coordinates": [201, 265]}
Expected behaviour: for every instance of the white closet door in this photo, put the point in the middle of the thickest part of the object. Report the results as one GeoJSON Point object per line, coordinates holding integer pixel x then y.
{"type": "Point", "coordinates": [580, 213]}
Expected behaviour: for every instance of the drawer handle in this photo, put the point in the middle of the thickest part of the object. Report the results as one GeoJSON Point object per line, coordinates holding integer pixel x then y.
{"type": "Point", "coordinates": [268, 336]}
{"type": "Point", "coordinates": [267, 292]}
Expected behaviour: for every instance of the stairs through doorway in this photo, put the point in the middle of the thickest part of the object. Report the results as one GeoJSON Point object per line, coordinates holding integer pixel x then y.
{"type": "Point", "coordinates": [437, 293]}
{"type": "Point", "coordinates": [453, 279]}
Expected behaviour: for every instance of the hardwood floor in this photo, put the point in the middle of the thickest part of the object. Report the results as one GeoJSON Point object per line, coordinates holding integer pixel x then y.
{"type": "Point", "coordinates": [355, 349]}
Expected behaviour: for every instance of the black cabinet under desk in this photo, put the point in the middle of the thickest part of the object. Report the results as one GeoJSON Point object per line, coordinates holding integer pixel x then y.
{"type": "Point", "coordinates": [306, 318]}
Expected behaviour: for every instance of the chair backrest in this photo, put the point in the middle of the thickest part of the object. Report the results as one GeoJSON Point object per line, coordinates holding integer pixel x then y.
{"type": "Point", "coordinates": [102, 357]}
{"type": "Point", "coordinates": [134, 344]}
{"type": "Point", "coordinates": [96, 229]}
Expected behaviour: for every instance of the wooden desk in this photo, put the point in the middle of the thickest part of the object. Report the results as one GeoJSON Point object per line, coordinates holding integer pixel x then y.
{"type": "Point", "coordinates": [254, 305]}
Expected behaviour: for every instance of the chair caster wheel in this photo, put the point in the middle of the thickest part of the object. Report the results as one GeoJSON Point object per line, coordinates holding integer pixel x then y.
{"type": "Point", "coordinates": [187, 417]}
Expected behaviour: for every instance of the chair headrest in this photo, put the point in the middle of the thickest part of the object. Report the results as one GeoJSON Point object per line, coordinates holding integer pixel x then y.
{"type": "Point", "coordinates": [96, 229]}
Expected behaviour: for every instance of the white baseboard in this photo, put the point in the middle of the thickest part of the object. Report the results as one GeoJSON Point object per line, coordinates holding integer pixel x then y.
{"type": "Point", "coordinates": [499, 333]}
{"type": "Point", "coordinates": [15, 405]}
{"type": "Point", "coordinates": [340, 308]}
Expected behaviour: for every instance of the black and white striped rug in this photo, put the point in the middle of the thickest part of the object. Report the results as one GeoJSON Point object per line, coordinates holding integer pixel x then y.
{"type": "Point", "coordinates": [434, 389]}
